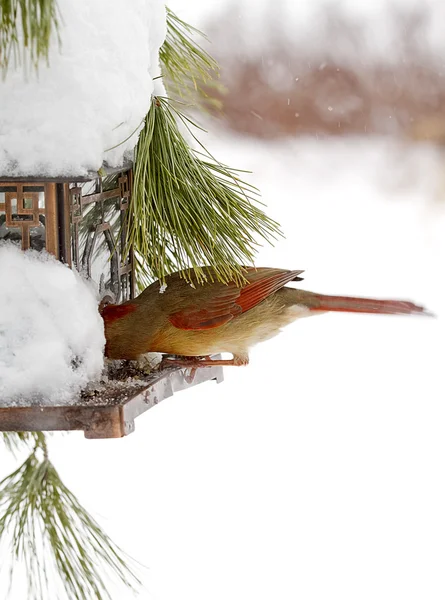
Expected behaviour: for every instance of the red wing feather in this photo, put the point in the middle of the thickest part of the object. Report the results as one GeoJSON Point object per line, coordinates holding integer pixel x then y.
{"type": "Point", "coordinates": [231, 301]}
{"type": "Point", "coordinates": [255, 292]}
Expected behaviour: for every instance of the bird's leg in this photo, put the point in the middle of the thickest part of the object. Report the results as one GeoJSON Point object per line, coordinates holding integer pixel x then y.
{"type": "Point", "coordinates": [191, 362]}
{"type": "Point", "coordinates": [181, 361]}
{"type": "Point", "coordinates": [148, 362]}
{"type": "Point", "coordinates": [196, 362]}
{"type": "Point", "coordinates": [238, 360]}
{"type": "Point", "coordinates": [189, 375]}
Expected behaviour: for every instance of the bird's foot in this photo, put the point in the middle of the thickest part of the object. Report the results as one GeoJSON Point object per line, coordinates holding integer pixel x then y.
{"type": "Point", "coordinates": [192, 362]}
{"type": "Point", "coordinates": [182, 361]}
{"type": "Point", "coordinates": [149, 362]}
{"type": "Point", "coordinates": [196, 362]}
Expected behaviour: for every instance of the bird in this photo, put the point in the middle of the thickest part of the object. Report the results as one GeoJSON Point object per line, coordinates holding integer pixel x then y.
{"type": "Point", "coordinates": [192, 321]}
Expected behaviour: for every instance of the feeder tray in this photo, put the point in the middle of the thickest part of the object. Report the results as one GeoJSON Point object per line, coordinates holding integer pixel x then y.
{"type": "Point", "coordinates": [110, 410]}
{"type": "Point", "coordinates": [82, 221]}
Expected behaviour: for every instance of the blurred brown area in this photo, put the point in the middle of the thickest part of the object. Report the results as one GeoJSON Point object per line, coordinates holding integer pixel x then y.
{"type": "Point", "coordinates": [292, 87]}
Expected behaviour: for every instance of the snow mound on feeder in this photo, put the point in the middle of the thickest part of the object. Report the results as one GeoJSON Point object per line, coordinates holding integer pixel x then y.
{"type": "Point", "coordinates": [51, 334]}
{"type": "Point", "coordinates": [93, 95]}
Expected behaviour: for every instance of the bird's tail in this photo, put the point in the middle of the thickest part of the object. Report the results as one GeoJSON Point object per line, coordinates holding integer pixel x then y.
{"type": "Point", "coordinates": [320, 302]}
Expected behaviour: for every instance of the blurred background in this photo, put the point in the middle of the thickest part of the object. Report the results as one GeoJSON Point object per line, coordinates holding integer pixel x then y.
{"type": "Point", "coordinates": [328, 67]}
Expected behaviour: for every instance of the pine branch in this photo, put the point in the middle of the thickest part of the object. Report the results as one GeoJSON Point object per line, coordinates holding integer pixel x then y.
{"type": "Point", "coordinates": [26, 29]}
{"type": "Point", "coordinates": [17, 440]}
{"type": "Point", "coordinates": [189, 71]}
{"type": "Point", "coordinates": [188, 209]}
{"type": "Point", "coordinates": [41, 517]}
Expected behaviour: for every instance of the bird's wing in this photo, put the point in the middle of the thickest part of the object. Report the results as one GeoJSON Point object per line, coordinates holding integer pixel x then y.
{"type": "Point", "coordinates": [213, 310]}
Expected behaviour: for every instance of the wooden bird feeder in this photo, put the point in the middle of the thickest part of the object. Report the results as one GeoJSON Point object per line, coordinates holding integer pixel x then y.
{"type": "Point", "coordinates": [75, 220]}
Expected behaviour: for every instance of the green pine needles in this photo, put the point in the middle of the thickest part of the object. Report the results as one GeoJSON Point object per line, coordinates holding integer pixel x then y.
{"type": "Point", "coordinates": [16, 440]}
{"type": "Point", "coordinates": [41, 518]}
{"type": "Point", "coordinates": [26, 30]}
{"type": "Point", "coordinates": [187, 209]}
{"type": "Point", "coordinates": [188, 70]}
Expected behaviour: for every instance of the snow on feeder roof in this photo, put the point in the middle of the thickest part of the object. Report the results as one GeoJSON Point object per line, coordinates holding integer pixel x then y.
{"type": "Point", "coordinates": [87, 105]}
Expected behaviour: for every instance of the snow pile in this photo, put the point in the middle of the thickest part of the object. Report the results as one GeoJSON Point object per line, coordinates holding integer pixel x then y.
{"type": "Point", "coordinates": [93, 96]}
{"type": "Point", "coordinates": [51, 334]}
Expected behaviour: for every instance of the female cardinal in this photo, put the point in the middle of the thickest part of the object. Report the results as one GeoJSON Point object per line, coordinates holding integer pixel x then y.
{"type": "Point", "coordinates": [209, 318]}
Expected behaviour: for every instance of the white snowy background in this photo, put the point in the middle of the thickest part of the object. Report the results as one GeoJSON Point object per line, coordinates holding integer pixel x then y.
{"type": "Point", "coordinates": [319, 470]}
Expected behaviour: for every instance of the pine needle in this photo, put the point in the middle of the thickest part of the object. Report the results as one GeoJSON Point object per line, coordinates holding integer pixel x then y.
{"type": "Point", "coordinates": [42, 518]}
{"type": "Point", "coordinates": [189, 71]}
{"type": "Point", "coordinates": [26, 29]}
{"type": "Point", "coordinates": [15, 441]}
{"type": "Point", "coordinates": [187, 209]}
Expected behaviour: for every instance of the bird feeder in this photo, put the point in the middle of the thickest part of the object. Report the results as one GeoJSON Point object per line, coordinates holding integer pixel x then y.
{"type": "Point", "coordinates": [47, 215]}
{"type": "Point", "coordinates": [82, 223]}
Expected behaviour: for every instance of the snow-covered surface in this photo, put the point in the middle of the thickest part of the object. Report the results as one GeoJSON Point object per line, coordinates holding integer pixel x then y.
{"type": "Point", "coordinates": [317, 472]}
{"type": "Point", "coordinates": [51, 334]}
{"type": "Point", "coordinates": [92, 97]}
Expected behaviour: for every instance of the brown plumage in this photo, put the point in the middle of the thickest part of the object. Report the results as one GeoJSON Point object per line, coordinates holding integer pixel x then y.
{"type": "Point", "coordinates": [206, 319]}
